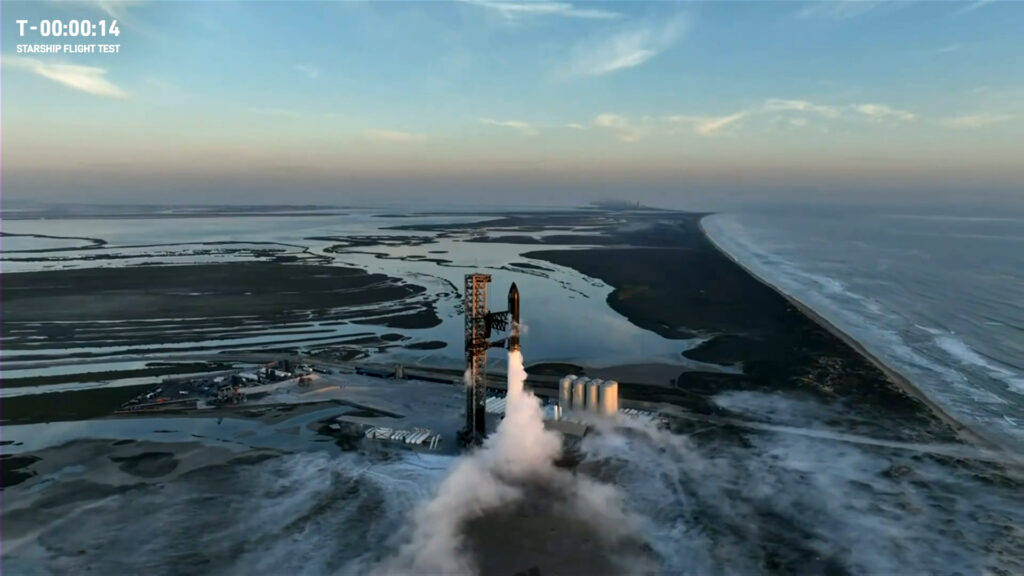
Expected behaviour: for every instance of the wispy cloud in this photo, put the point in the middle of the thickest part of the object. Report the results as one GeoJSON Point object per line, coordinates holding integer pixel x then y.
{"type": "Point", "coordinates": [523, 127]}
{"type": "Point", "coordinates": [89, 79]}
{"type": "Point", "coordinates": [311, 71]}
{"type": "Point", "coordinates": [979, 120]}
{"type": "Point", "coordinates": [873, 112]}
{"type": "Point", "coordinates": [392, 136]}
{"type": "Point", "coordinates": [948, 49]}
{"type": "Point", "coordinates": [781, 105]}
{"type": "Point", "coordinates": [708, 125]}
{"type": "Point", "coordinates": [512, 10]}
{"type": "Point", "coordinates": [971, 7]}
{"type": "Point", "coordinates": [836, 9]}
{"type": "Point", "coordinates": [621, 126]}
{"type": "Point", "coordinates": [880, 112]}
{"type": "Point", "coordinates": [115, 8]}
{"type": "Point", "coordinates": [782, 112]}
{"type": "Point", "coordinates": [127, 14]}
{"type": "Point", "coordinates": [624, 49]}
{"type": "Point", "coordinates": [575, 126]}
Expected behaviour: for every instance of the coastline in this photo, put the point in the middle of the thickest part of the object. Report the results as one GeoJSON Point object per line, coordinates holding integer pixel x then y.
{"type": "Point", "coordinates": [902, 382]}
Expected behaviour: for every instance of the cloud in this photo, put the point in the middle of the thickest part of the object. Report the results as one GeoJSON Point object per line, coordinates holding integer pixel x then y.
{"type": "Point", "coordinates": [624, 49]}
{"type": "Point", "coordinates": [611, 121]}
{"type": "Point", "coordinates": [708, 125]}
{"type": "Point", "coordinates": [873, 112]}
{"type": "Point", "coordinates": [127, 12]}
{"type": "Point", "coordinates": [392, 136]}
{"type": "Point", "coordinates": [880, 112]}
{"type": "Point", "coordinates": [523, 127]}
{"type": "Point", "coordinates": [979, 120]}
{"type": "Point", "coordinates": [89, 79]}
{"type": "Point", "coordinates": [781, 105]}
{"type": "Point", "coordinates": [311, 71]}
{"type": "Point", "coordinates": [620, 125]}
{"type": "Point", "coordinates": [711, 126]}
{"type": "Point", "coordinates": [948, 49]}
{"type": "Point", "coordinates": [792, 112]}
{"type": "Point", "coordinates": [836, 9]}
{"type": "Point", "coordinates": [513, 10]}
{"type": "Point", "coordinates": [116, 8]}
{"type": "Point", "coordinates": [575, 126]}
{"type": "Point", "coordinates": [966, 8]}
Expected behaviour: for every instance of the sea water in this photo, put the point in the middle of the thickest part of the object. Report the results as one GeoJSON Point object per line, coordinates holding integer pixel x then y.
{"type": "Point", "coordinates": [938, 298]}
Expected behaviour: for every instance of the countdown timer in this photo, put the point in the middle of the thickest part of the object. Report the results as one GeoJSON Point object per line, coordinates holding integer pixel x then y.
{"type": "Point", "coordinates": [80, 30]}
{"type": "Point", "coordinates": [69, 29]}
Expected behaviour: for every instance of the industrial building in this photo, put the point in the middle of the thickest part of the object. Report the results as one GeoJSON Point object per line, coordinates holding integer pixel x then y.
{"type": "Point", "coordinates": [582, 395]}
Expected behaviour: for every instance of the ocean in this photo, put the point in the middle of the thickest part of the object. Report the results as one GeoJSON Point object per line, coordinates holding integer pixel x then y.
{"type": "Point", "coordinates": [938, 298]}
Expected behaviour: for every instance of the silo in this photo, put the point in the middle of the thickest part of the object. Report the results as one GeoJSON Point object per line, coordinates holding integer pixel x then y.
{"type": "Point", "coordinates": [610, 398]}
{"type": "Point", "coordinates": [594, 395]}
{"type": "Point", "coordinates": [565, 392]}
{"type": "Point", "coordinates": [579, 394]}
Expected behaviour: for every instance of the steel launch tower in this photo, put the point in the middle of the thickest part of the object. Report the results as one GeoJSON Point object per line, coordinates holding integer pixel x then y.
{"type": "Point", "coordinates": [479, 324]}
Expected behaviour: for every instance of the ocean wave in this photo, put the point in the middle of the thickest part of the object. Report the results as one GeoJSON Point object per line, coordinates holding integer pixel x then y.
{"type": "Point", "coordinates": [969, 372]}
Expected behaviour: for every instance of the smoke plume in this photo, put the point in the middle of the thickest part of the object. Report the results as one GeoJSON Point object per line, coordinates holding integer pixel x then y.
{"type": "Point", "coordinates": [780, 502]}
{"type": "Point", "coordinates": [520, 454]}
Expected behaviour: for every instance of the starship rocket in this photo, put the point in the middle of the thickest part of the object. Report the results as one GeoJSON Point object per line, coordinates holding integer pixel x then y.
{"type": "Point", "coordinates": [513, 311]}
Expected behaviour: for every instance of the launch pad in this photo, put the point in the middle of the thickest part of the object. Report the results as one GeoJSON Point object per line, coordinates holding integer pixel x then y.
{"type": "Point", "coordinates": [480, 323]}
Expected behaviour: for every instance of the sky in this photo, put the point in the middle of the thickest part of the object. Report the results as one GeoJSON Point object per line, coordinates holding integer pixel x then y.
{"type": "Point", "coordinates": [702, 105]}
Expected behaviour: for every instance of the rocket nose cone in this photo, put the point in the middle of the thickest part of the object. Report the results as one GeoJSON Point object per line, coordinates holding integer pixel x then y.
{"type": "Point", "coordinates": [513, 289]}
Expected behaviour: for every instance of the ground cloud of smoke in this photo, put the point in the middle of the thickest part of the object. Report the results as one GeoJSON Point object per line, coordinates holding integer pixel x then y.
{"type": "Point", "coordinates": [719, 501]}
{"type": "Point", "coordinates": [755, 503]}
{"type": "Point", "coordinates": [728, 501]}
{"type": "Point", "coordinates": [520, 452]}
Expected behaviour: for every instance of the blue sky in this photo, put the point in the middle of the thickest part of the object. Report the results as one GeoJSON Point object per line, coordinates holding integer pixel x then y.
{"type": "Point", "coordinates": [686, 104]}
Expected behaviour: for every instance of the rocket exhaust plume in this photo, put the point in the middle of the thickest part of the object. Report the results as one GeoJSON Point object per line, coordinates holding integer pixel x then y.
{"type": "Point", "coordinates": [486, 479]}
{"type": "Point", "coordinates": [499, 474]}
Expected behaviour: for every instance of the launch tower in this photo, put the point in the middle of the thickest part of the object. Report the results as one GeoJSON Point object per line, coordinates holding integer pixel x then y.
{"type": "Point", "coordinates": [479, 324]}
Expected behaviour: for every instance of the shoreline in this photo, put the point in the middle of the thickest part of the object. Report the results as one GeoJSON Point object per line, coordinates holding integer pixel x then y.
{"type": "Point", "coordinates": [902, 382]}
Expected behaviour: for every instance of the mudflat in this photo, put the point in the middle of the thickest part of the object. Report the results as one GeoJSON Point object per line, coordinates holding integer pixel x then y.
{"type": "Point", "coordinates": [264, 289]}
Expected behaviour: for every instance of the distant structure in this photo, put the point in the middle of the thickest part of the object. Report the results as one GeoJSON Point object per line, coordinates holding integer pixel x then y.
{"type": "Point", "coordinates": [479, 324]}
{"type": "Point", "coordinates": [582, 394]}
{"type": "Point", "coordinates": [618, 204]}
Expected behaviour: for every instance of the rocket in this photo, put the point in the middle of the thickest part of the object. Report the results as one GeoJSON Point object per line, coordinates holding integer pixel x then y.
{"type": "Point", "coordinates": [513, 311]}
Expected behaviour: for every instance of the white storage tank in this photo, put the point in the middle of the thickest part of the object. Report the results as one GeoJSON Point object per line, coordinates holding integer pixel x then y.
{"type": "Point", "coordinates": [579, 394]}
{"type": "Point", "coordinates": [594, 395]}
{"type": "Point", "coordinates": [610, 397]}
{"type": "Point", "coordinates": [565, 392]}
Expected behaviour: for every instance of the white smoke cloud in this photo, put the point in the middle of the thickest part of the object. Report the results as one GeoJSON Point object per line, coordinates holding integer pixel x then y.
{"type": "Point", "coordinates": [718, 501]}
{"type": "Point", "coordinates": [483, 480]}
{"type": "Point", "coordinates": [736, 502]}
{"type": "Point", "coordinates": [520, 452]}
